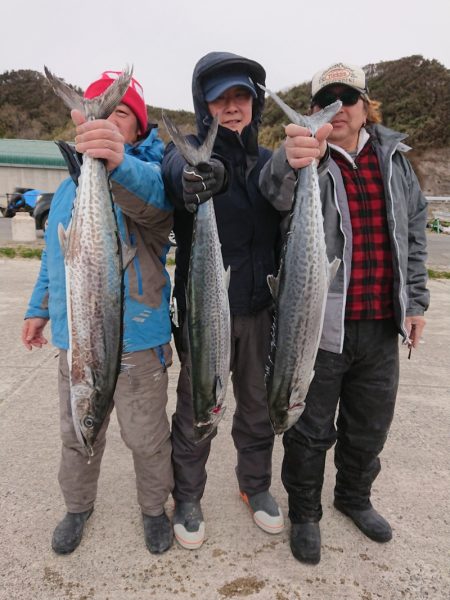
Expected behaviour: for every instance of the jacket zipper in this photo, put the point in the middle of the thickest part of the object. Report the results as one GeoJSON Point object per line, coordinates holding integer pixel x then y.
{"type": "Point", "coordinates": [394, 237]}
{"type": "Point", "coordinates": [344, 292]}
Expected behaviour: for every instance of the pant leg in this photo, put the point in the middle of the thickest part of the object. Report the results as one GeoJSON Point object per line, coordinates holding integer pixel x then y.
{"type": "Point", "coordinates": [141, 400]}
{"type": "Point", "coordinates": [77, 477]}
{"type": "Point", "coordinates": [366, 411]}
{"type": "Point", "coordinates": [306, 443]}
{"type": "Point", "coordinates": [252, 431]}
{"type": "Point", "coordinates": [188, 457]}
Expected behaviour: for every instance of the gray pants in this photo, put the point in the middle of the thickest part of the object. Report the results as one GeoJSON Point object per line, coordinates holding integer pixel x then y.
{"type": "Point", "coordinates": [252, 431]}
{"type": "Point", "coordinates": [140, 400]}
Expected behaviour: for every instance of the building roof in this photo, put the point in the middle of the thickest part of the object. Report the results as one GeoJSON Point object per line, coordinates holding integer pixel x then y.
{"type": "Point", "coordinates": [30, 153]}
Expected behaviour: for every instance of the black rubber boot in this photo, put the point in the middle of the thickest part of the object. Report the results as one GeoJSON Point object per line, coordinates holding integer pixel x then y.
{"type": "Point", "coordinates": [305, 542]}
{"type": "Point", "coordinates": [68, 533]}
{"type": "Point", "coordinates": [158, 533]}
{"type": "Point", "coordinates": [369, 521]}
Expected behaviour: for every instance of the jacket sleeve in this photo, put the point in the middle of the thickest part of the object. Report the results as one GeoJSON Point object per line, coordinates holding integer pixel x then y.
{"type": "Point", "coordinates": [138, 189]}
{"type": "Point", "coordinates": [418, 295]}
{"type": "Point", "coordinates": [172, 169]}
{"type": "Point", "coordinates": [38, 304]}
{"type": "Point", "coordinates": [277, 181]}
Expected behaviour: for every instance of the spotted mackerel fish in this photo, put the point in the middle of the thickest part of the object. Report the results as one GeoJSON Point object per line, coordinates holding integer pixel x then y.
{"type": "Point", "coordinates": [94, 283]}
{"type": "Point", "coordinates": [208, 310]}
{"type": "Point", "coordinates": [299, 290]}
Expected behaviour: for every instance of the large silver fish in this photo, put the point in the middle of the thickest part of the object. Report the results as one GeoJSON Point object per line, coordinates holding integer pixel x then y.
{"type": "Point", "coordinates": [208, 309]}
{"type": "Point", "coordinates": [299, 290]}
{"type": "Point", "coordinates": [94, 284]}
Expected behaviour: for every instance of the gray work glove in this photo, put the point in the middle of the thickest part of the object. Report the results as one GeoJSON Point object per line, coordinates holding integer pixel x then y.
{"type": "Point", "coordinates": [202, 182]}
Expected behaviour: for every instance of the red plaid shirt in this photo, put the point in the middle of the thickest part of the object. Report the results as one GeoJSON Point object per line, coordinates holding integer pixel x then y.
{"type": "Point", "coordinates": [370, 290]}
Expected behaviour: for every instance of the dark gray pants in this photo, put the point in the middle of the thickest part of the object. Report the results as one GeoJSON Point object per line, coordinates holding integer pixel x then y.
{"type": "Point", "coordinates": [252, 431]}
{"type": "Point", "coordinates": [364, 380]}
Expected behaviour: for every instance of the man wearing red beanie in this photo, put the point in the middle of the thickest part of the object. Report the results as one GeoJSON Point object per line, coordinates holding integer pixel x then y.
{"type": "Point", "coordinates": [134, 96]}
{"type": "Point", "coordinates": [132, 152]}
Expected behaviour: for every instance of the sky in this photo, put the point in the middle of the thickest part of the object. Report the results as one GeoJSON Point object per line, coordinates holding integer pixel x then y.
{"type": "Point", "coordinates": [163, 39]}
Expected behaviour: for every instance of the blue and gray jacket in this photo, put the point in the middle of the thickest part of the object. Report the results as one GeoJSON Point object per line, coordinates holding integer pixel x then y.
{"type": "Point", "coordinates": [144, 217]}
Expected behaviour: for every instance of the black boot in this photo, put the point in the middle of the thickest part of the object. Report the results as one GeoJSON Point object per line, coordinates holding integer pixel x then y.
{"type": "Point", "coordinates": [369, 521]}
{"type": "Point", "coordinates": [305, 542]}
{"type": "Point", "coordinates": [158, 533]}
{"type": "Point", "coordinates": [68, 533]}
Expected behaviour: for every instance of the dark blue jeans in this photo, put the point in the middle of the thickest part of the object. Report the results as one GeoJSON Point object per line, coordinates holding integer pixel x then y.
{"type": "Point", "coordinates": [362, 384]}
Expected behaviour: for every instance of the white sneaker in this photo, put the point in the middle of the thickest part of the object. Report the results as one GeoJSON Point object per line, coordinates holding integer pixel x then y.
{"type": "Point", "coordinates": [266, 512]}
{"type": "Point", "coordinates": [188, 525]}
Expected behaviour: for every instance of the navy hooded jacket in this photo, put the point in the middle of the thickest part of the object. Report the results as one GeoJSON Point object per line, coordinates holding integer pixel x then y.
{"type": "Point", "coordinates": [248, 225]}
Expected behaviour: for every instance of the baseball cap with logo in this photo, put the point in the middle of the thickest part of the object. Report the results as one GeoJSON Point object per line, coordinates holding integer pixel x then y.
{"type": "Point", "coordinates": [343, 73]}
{"type": "Point", "coordinates": [133, 98]}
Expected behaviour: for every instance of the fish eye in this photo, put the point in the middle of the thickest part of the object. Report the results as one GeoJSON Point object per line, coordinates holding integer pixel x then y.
{"type": "Point", "coordinates": [88, 422]}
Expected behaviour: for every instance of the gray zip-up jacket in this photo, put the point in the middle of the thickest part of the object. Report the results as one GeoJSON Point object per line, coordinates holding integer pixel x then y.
{"type": "Point", "coordinates": [406, 216]}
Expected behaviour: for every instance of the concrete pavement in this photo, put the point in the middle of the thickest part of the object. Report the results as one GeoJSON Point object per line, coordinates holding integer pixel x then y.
{"type": "Point", "coordinates": [237, 560]}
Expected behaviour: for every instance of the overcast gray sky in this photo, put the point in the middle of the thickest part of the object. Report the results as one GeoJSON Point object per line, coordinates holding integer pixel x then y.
{"type": "Point", "coordinates": [163, 39]}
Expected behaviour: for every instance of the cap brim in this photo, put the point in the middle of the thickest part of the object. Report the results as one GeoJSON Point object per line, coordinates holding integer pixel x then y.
{"type": "Point", "coordinates": [219, 89]}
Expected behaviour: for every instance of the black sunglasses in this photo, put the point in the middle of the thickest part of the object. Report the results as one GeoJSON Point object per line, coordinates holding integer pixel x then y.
{"type": "Point", "coordinates": [348, 97]}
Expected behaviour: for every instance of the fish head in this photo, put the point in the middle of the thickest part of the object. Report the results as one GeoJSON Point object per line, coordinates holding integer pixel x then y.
{"type": "Point", "coordinates": [89, 427]}
{"type": "Point", "coordinates": [87, 424]}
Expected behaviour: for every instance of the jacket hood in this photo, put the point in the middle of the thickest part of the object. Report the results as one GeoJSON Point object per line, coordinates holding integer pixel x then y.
{"type": "Point", "coordinates": [214, 62]}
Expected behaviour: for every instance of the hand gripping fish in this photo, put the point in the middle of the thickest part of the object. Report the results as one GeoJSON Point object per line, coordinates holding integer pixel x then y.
{"type": "Point", "coordinates": [299, 290]}
{"type": "Point", "coordinates": [94, 277]}
{"type": "Point", "coordinates": [208, 309]}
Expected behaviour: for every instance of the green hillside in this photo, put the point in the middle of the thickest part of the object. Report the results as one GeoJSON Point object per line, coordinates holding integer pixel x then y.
{"type": "Point", "coordinates": [415, 96]}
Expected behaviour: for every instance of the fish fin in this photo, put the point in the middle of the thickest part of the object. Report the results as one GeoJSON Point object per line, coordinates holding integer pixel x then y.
{"type": "Point", "coordinates": [333, 269]}
{"type": "Point", "coordinates": [89, 377]}
{"type": "Point", "coordinates": [218, 386]}
{"type": "Point", "coordinates": [274, 283]}
{"type": "Point", "coordinates": [125, 368]}
{"type": "Point", "coordinates": [312, 122]}
{"type": "Point", "coordinates": [227, 277]}
{"type": "Point", "coordinates": [128, 253]}
{"type": "Point", "coordinates": [63, 237]}
{"type": "Point", "coordinates": [194, 156]}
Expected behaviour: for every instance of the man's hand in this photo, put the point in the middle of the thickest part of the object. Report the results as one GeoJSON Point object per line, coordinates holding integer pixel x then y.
{"type": "Point", "coordinates": [202, 182]}
{"type": "Point", "coordinates": [414, 327]}
{"type": "Point", "coordinates": [32, 333]}
{"type": "Point", "coordinates": [301, 148]}
{"type": "Point", "coordinates": [99, 139]}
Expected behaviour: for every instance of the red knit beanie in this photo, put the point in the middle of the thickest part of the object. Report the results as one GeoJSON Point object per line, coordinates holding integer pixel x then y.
{"type": "Point", "coordinates": [134, 96]}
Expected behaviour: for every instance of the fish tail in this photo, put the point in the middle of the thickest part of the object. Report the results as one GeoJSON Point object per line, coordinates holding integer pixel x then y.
{"type": "Point", "coordinates": [99, 107]}
{"type": "Point", "coordinates": [194, 156]}
{"type": "Point", "coordinates": [312, 122]}
{"type": "Point", "coordinates": [69, 96]}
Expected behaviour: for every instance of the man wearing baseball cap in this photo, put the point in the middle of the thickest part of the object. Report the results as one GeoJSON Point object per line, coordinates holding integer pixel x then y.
{"type": "Point", "coordinates": [225, 85]}
{"type": "Point", "coordinates": [374, 222]}
{"type": "Point", "coordinates": [132, 153]}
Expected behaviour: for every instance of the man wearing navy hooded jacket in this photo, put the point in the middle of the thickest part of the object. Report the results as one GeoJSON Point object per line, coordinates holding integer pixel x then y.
{"type": "Point", "coordinates": [226, 85]}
